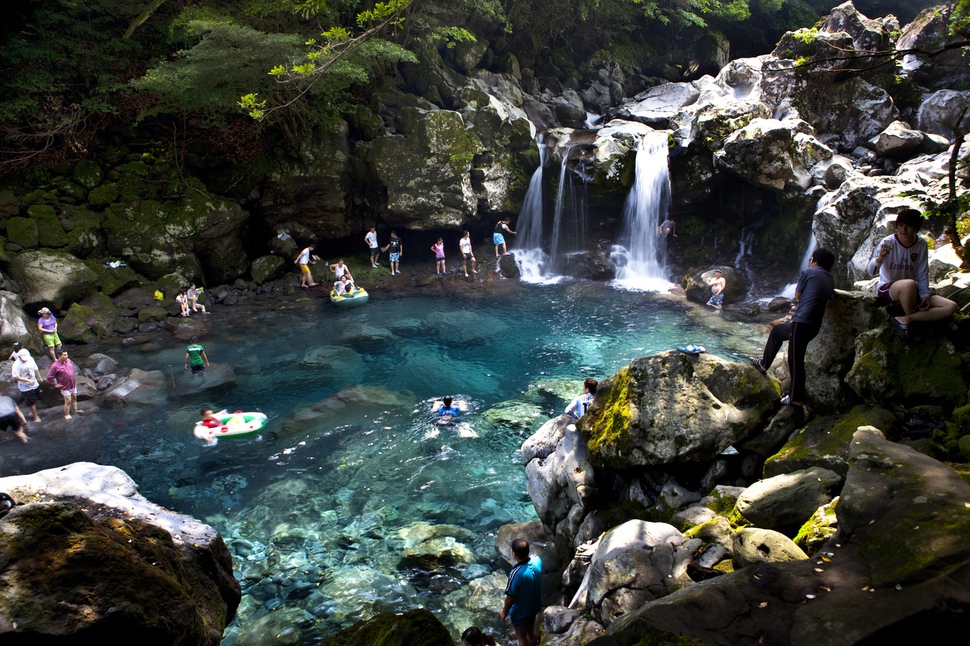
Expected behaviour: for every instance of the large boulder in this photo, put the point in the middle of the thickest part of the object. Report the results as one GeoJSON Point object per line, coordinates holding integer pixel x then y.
{"type": "Point", "coordinates": [426, 170]}
{"type": "Point", "coordinates": [899, 561]}
{"type": "Point", "coordinates": [52, 278]}
{"type": "Point", "coordinates": [931, 59]}
{"type": "Point", "coordinates": [85, 557]}
{"type": "Point", "coordinates": [414, 628]}
{"type": "Point", "coordinates": [785, 502]}
{"type": "Point", "coordinates": [15, 325]}
{"type": "Point", "coordinates": [88, 321]}
{"type": "Point", "coordinates": [773, 154]}
{"type": "Point", "coordinates": [670, 408]}
{"type": "Point", "coordinates": [140, 387]}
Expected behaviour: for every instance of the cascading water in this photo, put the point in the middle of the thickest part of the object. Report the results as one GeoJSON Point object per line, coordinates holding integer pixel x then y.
{"type": "Point", "coordinates": [641, 255]}
{"type": "Point", "coordinates": [534, 264]}
{"type": "Point", "coordinates": [789, 290]}
{"type": "Point", "coordinates": [569, 221]}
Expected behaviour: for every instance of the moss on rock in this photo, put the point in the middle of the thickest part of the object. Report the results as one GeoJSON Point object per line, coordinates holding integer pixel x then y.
{"type": "Point", "coordinates": [825, 440]}
{"type": "Point", "coordinates": [414, 628]}
{"type": "Point", "coordinates": [90, 321]}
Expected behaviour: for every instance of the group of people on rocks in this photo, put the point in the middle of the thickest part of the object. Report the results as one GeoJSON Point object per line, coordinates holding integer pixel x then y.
{"type": "Point", "coordinates": [188, 300]}
{"type": "Point", "coordinates": [62, 374]}
{"type": "Point", "coordinates": [901, 263]}
{"type": "Point", "coordinates": [395, 249]}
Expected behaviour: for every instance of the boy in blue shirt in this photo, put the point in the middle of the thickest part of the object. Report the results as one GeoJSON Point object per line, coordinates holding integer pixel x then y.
{"type": "Point", "coordinates": [523, 594]}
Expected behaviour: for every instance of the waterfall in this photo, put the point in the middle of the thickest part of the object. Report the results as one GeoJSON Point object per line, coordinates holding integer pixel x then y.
{"type": "Point", "coordinates": [789, 290]}
{"type": "Point", "coordinates": [569, 221]}
{"type": "Point", "coordinates": [535, 265]}
{"type": "Point", "coordinates": [640, 257]}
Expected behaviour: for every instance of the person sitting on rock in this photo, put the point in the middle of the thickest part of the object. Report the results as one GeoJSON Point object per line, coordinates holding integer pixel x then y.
{"type": "Point", "coordinates": [579, 405]}
{"type": "Point", "coordinates": [902, 263]}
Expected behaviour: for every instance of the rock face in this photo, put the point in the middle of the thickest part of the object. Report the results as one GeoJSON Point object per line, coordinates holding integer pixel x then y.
{"type": "Point", "coordinates": [671, 407]}
{"type": "Point", "coordinates": [899, 560]}
{"type": "Point", "coordinates": [85, 557]}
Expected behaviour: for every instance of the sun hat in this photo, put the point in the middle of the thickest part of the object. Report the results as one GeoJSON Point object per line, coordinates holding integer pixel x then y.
{"type": "Point", "coordinates": [23, 354]}
{"type": "Point", "coordinates": [44, 310]}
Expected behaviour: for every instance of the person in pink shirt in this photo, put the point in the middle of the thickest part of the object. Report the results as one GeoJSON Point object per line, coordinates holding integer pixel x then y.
{"type": "Point", "coordinates": [439, 256]}
{"type": "Point", "coordinates": [63, 375]}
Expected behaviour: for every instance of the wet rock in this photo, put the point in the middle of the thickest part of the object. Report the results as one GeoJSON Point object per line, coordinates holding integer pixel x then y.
{"type": "Point", "coordinates": [140, 387]}
{"type": "Point", "coordinates": [415, 628]}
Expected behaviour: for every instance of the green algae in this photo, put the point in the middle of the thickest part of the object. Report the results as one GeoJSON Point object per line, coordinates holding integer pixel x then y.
{"type": "Point", "coordinates": [414, 628]}
{"type": "Point", "coordinates": [607, 424]}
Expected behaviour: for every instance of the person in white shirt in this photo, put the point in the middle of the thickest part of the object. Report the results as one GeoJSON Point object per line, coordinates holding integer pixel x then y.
{"type": "Point", "coordinates": [303, 261]}
{"type": "Point", "coordinates": [370, 239]}
{"type": "Point", "coordinates": [902, 263]}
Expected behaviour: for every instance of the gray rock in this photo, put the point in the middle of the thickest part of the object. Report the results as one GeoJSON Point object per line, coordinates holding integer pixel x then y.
{"type": "Point", "coordinates": [753, 545]}
{"type": "Point", "coordinates": [897, 141]}
{"type": "Point", "coordinates": [785, 502]}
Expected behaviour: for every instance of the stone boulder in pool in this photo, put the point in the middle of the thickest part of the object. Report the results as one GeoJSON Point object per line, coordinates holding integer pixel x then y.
{"type": "Point", "coordinates": [86, 559]}
{"type": "Point", "coordinates": [671, 408]}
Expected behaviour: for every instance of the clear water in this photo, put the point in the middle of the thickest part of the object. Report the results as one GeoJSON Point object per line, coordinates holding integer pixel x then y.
{"type": "Point", "coordinates": [312, 509]}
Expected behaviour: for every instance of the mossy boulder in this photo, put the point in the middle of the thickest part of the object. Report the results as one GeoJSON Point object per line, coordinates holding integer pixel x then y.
{"type": "Point", "coordinates": [427, 171]}
{"type": "Point", "coordinates": [103, 195]}
{"type": "Point", "coordinates": [413, 628]}
{"type": "Point", "coordinates": [824, 442]}
{"type": "Point", "coordinates": [114, 280]}
{"type": "Point", "coordinates": [672, 408]}
{"type": "Point", "coordinates": [88, 174]}
{"type": "Point", "coordinates": [152, 313]}
{"type": "Point", "coordinates": [23, 232]}
{"type": "Point", "coordinates": [83, 229]}
{"type": "Point", "coordinates": [53, 278]}
{"type": "Point", "coordinates": [926, 369]}
{"type": "Point", "coordinates": [68, 191]}
{"type": "Point", "coordinates": [89, 321]}
{"type": "Point", "coordinates": [266, 268]}
{"type": "Point", "coordinates": [9, 204]}
{"type": "Point", "coordinates": [822, 526]}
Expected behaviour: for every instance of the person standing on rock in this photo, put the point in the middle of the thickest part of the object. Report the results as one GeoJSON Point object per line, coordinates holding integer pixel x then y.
{"type": "Point", "coordinates": [902, 264]}
{"type": "Point", "coordinates": [303, 261]}
{"type": "Point", "coordinates": [439, 257]}
{"type": "Point", "coordinates": [12, 419]}
{"type": "Point", "coordinates": [63, 375]}
{"type": "Point", "coordinates": [718, 285]}
{"type": "Point", "coordinates": [370, 239]}
{"type": "Point", "coordinates": [195, 357]}
{"type": "Point", "coordinates": [47, 325]}
{"type": "Point", "coordinates": [27, 376]}
{"type": "Point", "coordinates": [498, 238]}
{"type": "Point", "coordinates": [396, 248]}
{"type": "Point", "coordinates": [523, 594]}
{"type": "Point", "coordinates": [465, 244]}
{"type": "Point", "coordinates": [812, 293]}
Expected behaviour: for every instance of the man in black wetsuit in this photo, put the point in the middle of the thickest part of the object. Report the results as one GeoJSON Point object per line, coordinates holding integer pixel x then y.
{"type": "Point", "coordinates": [815, 287]}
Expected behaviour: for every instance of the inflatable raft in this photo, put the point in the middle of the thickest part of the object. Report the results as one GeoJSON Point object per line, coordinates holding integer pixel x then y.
{"type": "Point", "coordinates": [237, 424]}
{"type": "Point", "coordinates": [356, 297]}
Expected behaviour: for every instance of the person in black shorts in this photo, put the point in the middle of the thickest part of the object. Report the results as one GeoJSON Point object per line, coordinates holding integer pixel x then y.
{"type": "Point", "coordinates": [11, 419]}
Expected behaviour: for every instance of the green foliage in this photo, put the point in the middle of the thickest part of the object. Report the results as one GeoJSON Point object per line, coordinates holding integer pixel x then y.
{"type": "Point", "coordinates": [226, 60]}
{"type": "Point", "coordinates": [960, 18]}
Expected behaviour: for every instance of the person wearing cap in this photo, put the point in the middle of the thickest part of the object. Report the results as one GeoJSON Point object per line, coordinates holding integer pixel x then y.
{"type": "Point", "coordinates": [717, 290]}
{"type": "Point", "coordinates": [27, 376]}
{"type": "Point", "coordinates": [902, 263]}
{"type": "Point", "coordinates": [47, 325]}
{"type": "Point", "coordinates": [63, 375]}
